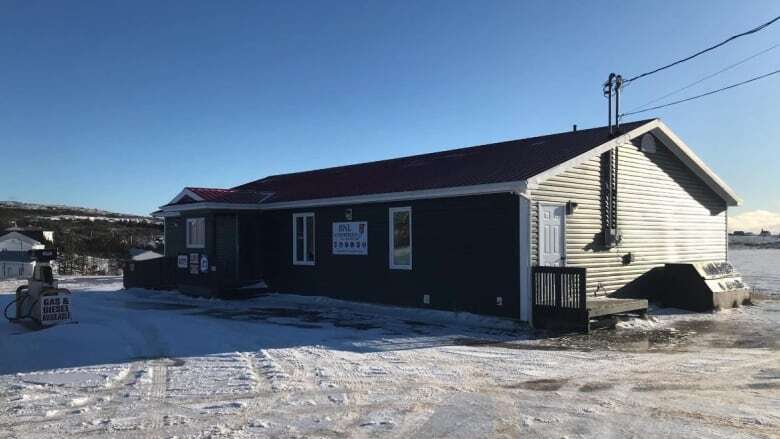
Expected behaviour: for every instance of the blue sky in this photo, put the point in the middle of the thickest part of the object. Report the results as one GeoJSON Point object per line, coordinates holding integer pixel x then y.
{"type": "Point", "coordinates": [118, 105]}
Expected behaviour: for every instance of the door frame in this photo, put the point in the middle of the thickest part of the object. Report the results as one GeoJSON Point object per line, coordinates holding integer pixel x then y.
{"type": "Point", "coordinates": [539, 205]}
{"type": "Point", "coordinates": [232, 219]}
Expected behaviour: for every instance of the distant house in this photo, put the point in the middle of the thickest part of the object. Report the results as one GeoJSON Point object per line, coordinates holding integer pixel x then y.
{"type": "Point", "coordinates": [15, 244]}
{"type": "Point", "coordinates": [18, 241]}
{"type": "Point", "coordinates": [463, 229]}
{"type": "Point", "coordinates": [15, 264]}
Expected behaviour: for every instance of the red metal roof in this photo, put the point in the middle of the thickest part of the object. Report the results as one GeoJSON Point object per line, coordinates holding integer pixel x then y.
{"type": "Point", "coordinates": [514, 160]}
{"type": "Point", "coordinates": [214, 195]}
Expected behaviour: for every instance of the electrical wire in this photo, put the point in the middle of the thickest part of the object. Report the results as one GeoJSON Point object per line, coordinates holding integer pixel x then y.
{"type": "Point", "coordinates": [727, 40]}
{"type": "Point", "coordinates": [706, 77]}
{"type": "Point", "coordinates": [701, 95]}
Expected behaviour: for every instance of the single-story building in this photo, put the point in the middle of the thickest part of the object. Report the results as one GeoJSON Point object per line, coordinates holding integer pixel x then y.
{"type": "Point", "coordinates": [21, 240]}
{"type": "Point", "coordinates": [16, 264]}
{"type": "Point", "coordinates": [462, 229]}
{"type": "Point", "coordinates": [15, 243]}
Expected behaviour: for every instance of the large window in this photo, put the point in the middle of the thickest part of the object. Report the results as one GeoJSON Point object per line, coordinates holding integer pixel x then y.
{"type": "Point", "coordinates": [196, 232]}
{"type": "Point", "coordinates": [401, 238]}
{"type": "Point", "coordinates": [303, 239]}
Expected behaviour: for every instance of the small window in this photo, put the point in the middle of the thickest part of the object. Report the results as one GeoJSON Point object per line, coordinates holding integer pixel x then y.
{"type": "Point", "coordinates": [196, 232]}
{"type": "Point", "coordinates": [303, 239]}
{"type": "Point", "coordinates": [401, 238]}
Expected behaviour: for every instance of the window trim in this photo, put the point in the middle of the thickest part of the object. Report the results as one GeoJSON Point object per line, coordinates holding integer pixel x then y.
{"type": "Point", "coordinates": [391, 232]}
{"type": "Point", "coordinates": [188, 236]}
{"type": "Point", "coordinates": [295, 217]}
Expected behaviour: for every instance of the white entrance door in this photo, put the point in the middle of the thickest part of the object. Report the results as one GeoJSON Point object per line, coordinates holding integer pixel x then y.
{"type": "Point", "coordinates": [552, 236]}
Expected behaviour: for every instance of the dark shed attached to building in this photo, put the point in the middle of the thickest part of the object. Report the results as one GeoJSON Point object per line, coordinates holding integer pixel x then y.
{"type": "Point", "coordinates": [461, 229]}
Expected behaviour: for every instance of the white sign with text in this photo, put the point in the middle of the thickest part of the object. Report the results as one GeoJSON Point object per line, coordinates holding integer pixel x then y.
{"type": "Point", "coordinates": [350, 238]}
{"type": "Point", "coordinates": [55, 309]}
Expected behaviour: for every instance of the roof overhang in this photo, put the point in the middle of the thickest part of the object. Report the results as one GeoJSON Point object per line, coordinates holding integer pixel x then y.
{"type": "Point", "coordinates": [670, 140]}
{"type": "Point", "coordinates": [186, 192]}
{"type": "Point", "coordinates": [462, 191]}
{"type": "Point", "coordinates": [169, 210]}
{"type": "Point", "coordinates": [163, 214]}
{"type": "Point", "coordinates": [687, 156]}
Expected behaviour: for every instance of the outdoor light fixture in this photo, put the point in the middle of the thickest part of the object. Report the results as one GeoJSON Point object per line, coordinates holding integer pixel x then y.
{"type": "Point", "coordinates": [571, 206]}
{"type": "Point", "coordinates": [348, 214]}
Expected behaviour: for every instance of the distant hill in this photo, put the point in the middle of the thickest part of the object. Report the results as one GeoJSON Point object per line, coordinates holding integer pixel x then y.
{"type": "Point", "coordinates": [59, 212]}
{"type": "Point", "coordinates": [85, 231]}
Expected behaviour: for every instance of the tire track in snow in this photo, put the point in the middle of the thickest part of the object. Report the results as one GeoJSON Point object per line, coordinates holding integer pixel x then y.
{"type": "Point", "coordinates": [154, 396]}
{"type": "Point", "coordinates": [110, 410]}
{"type": "Point", "coordinates": [270, 369]}
{"type": "Point", "coordinates": [159, 381]}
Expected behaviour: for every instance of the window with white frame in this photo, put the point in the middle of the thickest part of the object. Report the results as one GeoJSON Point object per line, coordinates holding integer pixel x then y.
{"type": "Point", "coordinates": [196, 232]}
{"type": "Point", "coordinates": [303, 239]}
{"type": "Point", "coordinates": [401, 238]}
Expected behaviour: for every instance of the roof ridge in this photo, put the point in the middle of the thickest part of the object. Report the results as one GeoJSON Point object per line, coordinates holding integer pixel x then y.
{"type": "Point", "coordinates": [433, 153]}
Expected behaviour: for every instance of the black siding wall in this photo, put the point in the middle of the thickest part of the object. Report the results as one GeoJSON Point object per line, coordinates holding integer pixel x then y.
{"type": "Point", "coordinates": [465, 254]}
{"type": "Point", "coordinates": [250, 264]}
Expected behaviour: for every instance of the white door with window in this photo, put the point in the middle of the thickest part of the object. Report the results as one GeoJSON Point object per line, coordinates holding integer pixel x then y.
{"type": "Point", "coordinates": [552, 235]}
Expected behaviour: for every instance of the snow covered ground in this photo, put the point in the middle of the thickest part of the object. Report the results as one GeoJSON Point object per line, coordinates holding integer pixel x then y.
{"type": "Point", "coordinates": [144, 364]}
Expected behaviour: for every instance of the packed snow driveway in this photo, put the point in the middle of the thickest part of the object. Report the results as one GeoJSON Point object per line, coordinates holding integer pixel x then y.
{"type": "Point", "coordinates": [157, 364]}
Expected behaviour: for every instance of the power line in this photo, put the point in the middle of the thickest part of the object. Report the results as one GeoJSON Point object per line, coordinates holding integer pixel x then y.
{"type": "Point", "coordinates": [707, 77]}
{"type": "Point", "coordinates": [701, 95]}
{"type": "Point", "coordinates": [727, 40]}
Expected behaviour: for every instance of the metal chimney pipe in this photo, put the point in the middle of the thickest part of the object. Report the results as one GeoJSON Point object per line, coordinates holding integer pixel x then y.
{"type": "Point", "coordinates": [608, 95]}
{"type": "Point", "coordinates": [618, 85]}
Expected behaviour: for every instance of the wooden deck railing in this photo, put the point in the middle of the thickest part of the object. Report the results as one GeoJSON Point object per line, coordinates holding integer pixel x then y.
{"type": "Point", "coordinates": [559, 298]}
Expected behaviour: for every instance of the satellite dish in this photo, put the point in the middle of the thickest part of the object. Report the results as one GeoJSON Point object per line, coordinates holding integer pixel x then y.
{"type": "Point", "coordinates": [648, 143]}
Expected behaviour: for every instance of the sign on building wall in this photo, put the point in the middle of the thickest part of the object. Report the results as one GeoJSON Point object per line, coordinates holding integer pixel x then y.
{"type": "Point", "coordinates": [182, 260]}
{"type": "Point", "coordinates": [350, 238]}
{"type": "Point", "coordinates": [194, 263]}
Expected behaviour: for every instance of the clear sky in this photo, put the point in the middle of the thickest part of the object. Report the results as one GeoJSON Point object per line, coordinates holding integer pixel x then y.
{"type": "Point", "coordinates": [118, 105]}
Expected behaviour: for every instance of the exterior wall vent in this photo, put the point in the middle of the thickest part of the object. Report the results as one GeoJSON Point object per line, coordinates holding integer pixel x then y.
{"type": "Point", "coordinates": [648, 143]}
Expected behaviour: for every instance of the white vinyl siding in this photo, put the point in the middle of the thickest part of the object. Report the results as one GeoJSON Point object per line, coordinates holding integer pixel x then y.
{"type": "Point", "coordinates": [303, 239]}
{"type": "Point", "coordinates": [400, 221]}
{"type": "Point", "coordinates": [665, 214]}
{"type": "Point", "coordinates": [196, 232]}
